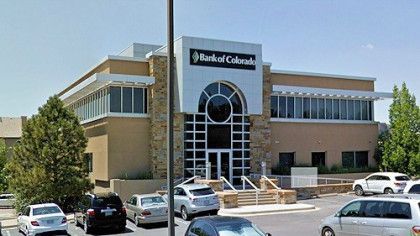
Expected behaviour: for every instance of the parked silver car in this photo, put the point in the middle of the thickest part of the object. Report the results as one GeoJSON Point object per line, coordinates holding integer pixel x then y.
{"type": "Point", "coordinates": [191, 199]}
{"type": "Point", "coordinates": [146, 209]}
{"type": "Point", "coordinates": [384, 215]}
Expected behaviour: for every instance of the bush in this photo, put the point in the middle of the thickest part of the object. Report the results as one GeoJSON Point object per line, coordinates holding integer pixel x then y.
{"type": "Point", "coordinates": [335, 169]}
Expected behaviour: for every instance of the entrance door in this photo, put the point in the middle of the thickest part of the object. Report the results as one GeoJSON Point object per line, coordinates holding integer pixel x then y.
{"type": "Point", "coordinates": [220, 164]}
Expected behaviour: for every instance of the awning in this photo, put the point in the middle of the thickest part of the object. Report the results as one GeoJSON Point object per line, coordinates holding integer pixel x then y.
{"type": "Point", "coordinates": [335, 93]}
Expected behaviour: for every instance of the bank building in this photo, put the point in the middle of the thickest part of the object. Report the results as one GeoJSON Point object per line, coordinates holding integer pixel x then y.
{"type": "Point", "coordinates": [232, 109]}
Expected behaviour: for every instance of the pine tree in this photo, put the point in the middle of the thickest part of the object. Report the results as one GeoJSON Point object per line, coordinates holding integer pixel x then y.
{"type": "Point", "coordinates": [48, 164]}
{"type": "Point", "coordinates": [402, 148]}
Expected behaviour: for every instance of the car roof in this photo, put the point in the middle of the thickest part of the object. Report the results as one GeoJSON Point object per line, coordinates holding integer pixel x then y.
{"type": "Point", "coordinates": [43, 205]}
{"type": "Point", "coordinates": [395, 196]}
{"type": "Point", "coordinates": [193, 186]}
{"type": "Point", "coordinates": [147, 195]}
{"type": "Point", "coordinates": [391, 174]}
{"type": "Point", "coordinates": [222, 220]}
{"type": "Point", "coordinates": [103, 195]}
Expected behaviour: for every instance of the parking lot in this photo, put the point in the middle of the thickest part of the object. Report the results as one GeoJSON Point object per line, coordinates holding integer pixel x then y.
{"type": "Point", "coordinates": [296, 223]}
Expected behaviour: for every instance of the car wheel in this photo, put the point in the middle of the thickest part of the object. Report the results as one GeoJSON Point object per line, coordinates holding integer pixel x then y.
{"type": "Point", "coordinates": [184, 213]}
{"type": "Point", "coordinates": [388, 191]}
{"type": "Point", "coordinates": [86, 227]}
{"type": "Point", "coordinates": [328, 232]}
{"type": "Point", "coordinates": [358, 190]}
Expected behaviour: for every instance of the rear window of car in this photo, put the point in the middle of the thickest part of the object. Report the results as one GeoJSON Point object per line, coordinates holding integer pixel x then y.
{"type": "Point", "coordinates": [202, 192]}
{"type": "Point", "coordinates": [107, 201]}
{"type": "Point", "coordinates": [45, 210]}
{"type": "Point", "coordinates": [150, 201]}
{"type": "Point", "coordinates": [415, 189]}
{"type": "Point", "coordinates": [397, 210]}
{"type": "Point", "coordinates": [402, 178]}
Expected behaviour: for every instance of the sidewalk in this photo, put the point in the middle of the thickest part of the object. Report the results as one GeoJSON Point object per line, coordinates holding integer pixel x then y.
{"type": "Point", "coordinates": [265, 209]}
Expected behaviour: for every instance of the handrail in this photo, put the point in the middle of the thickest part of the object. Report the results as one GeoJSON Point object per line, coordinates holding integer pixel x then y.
{"type": "Point", "coordinates": [257, 190]}
{"type": "Point", "coordinates": [271, 182]}
{"type": "Point", "coordinates": [227, 182]}
{"type": "Point", "coordinates": [190, 179]}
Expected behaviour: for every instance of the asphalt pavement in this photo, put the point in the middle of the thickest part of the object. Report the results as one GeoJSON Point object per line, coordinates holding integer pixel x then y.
{"type": "Point", "coordinates": [291, 223]}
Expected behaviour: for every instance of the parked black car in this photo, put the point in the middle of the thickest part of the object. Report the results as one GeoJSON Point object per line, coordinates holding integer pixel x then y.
{"type": "Point", "coordinates": [223, 225]}
{"type": "Point", "coordinates": [101, 210]}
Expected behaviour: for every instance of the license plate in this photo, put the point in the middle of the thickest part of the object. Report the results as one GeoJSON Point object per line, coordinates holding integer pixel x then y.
{"type": "Point", "coordinates": [108, 213]}
{"type": "Point", "coordinates": [50, 222]}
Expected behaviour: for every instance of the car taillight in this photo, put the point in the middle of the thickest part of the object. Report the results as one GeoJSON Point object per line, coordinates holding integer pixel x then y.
{"type": "Point", "coordinates": [64, 220]}
{"type": "Point", "coordinates": [416, 230]}
{"type": "Point", "coordinates": [34, 223]}
{"type": "Point", "coordinates": [90, 212]}
{"type": "Point", "coordinates": [146, 213]}
{"type": "Point", "coordinates": [398, 184]}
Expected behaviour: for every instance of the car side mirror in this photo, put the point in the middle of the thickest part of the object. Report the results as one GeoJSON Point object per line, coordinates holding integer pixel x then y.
{"type": "Point", "coordinates": [19, 214]}
{"type": "Point", "coordinates": [338, 214]}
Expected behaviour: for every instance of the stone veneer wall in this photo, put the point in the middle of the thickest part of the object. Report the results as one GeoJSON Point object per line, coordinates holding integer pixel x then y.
{"type": "Point", "coordinates": [260, 132]}
{"type": "Point", "coordinates": [158, 122]}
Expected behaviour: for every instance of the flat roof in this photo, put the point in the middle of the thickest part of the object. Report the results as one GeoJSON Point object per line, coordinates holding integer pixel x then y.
{"type": "Point", "coordinates": [314, 74]}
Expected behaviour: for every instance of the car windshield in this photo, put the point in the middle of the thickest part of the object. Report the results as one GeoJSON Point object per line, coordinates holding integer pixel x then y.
{"type": "Point", "coordinates": [45, 210]}
{"type": "Point", "coordinates": [202, 192]}
{"type": "Point", "coordinates": [149, 201]}
{"type": "Point", "coordinates": [239, 229]}
{"type": "Point", "coordinates": [402, 178]}
{"type": "Point", "coordinates": [107, 201]}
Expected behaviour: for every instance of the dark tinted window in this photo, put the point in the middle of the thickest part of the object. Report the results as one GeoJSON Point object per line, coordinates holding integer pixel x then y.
{"type": "Point", "coordinates": [290, 107]}
{"type": "Point", "coordinates": [381, 177]}
{"type": "Point", "coordinates": [415, 189]}
{"type": "Point", "coordinates": [286, 159]}
{"type": "Point", "coordinates": [138, 100]}
{"type": "Point", "coordinates": [372, 209]}
{"type": "Point", "coordinates": [306, 108]}
{"type": "Point", "coordinates": [179, 191]}
{"type": "Point", "coordinates": [397, 210]}
{"type": "Point", "coordinates": [361, 159]}
{"type": "Point", "coordinates": [402, 178]}
{"type": "Point", "coordinates": [127, 99]}
{"type": "Point", "coordinates": [298, 107]}
{"type": "Point", "coordinates": [374, 177]}
{"type": "Point", "coordinates": [274, 106]}
{"type": "Point", "coordinates": [347, 159]}
{"type": "Point", "coordinates": [202, 192]}
{"type": "Point", "coordinates": [321, 111]}
{"type": "Point", "coordinates": [45, 210]}
{"type": "Point", "coordinates": [318, 159]}
{"type": "Point", "coordinates": [282, 107]}
{"type": "Point", "coordinates": [115, 104]}
{"type": "Point", "coordinates": [107, 201]}
{"type": "Point", "coordinates": [243, 228]}
{"type": "Point", "coordinates": [351, 210]}
{"type": "Point", "coordinates": [200, 228]}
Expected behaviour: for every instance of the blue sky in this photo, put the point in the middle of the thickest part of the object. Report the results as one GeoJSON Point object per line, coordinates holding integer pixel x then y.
{"type": "Point", "coordinates": [45, 45]}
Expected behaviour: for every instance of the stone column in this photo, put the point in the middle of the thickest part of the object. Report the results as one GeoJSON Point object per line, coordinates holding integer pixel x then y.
{"type": "Point", "coordinates": [260, 132]}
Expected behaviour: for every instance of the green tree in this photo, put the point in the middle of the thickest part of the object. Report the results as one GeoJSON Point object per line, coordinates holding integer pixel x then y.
{"type": "Point", "coordinates": [402, 149]}
{"type": "Point", "coordinates": [48, 164]}
{"type": "Point", "coordinates": [3, 161]}
{"type": "Point", "coordinates": [380, 147]}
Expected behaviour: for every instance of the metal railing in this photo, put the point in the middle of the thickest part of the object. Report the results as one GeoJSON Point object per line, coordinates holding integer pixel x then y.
{"type": "Point", "coordinates": [275, 187]}
{"type": "Point", "coordinates": [190, 179]}
{"type": "Point", "coordinates": [229, 184]}
{"type": "Point", "coordinates": [257, 190]}
{"type": "Point", "coordinates": [291, 181]}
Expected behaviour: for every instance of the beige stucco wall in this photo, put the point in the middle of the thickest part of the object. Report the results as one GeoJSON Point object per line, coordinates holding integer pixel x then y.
{"type": "Point", "coordinates": [126, 188]}
{"type": "Point", "coordinates": [304, 138]}
{"type": "Point", "coordinates": [128, 147]}
{"type": "Point", "coordinates": [321, 82]}
{"type": "Point", "coordinates": [97, 135]}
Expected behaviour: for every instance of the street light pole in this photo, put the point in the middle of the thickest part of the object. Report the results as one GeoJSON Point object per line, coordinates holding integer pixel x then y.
{"type": "Point", "coordinates": [170, 127]}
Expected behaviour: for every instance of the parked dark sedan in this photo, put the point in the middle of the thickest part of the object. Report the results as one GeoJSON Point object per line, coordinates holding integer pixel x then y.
{"type": "Point", "coordinates": [102, 210]}
{"type": "Point", "coordinates": [223, 226]}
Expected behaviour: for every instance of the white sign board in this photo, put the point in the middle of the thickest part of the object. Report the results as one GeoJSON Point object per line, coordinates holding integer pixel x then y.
{"type": "Point", "coordinates": [304, 176]}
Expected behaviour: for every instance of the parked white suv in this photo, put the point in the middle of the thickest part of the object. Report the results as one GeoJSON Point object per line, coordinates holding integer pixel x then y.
{"type": "Point", "coordinates": [385, 215]}
{"type": "Point", "coordinates": [381, 182]}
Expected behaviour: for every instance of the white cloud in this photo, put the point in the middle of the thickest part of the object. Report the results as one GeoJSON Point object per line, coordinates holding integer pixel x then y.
{"type": "Point", "coordinates": [368, 46]}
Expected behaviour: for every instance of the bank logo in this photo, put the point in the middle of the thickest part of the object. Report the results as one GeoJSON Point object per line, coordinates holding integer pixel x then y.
{"type": "Point", "coordinates": [195, 57]}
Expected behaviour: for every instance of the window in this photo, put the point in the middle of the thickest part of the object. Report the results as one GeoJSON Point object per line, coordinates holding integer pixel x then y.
{"type": "Point", "coordinates": [415, 189]}
{"type": "Point", "coordinates": [318, 159]}
{"type": "Point", "coordinates": [370, 110]}
{"type": "Point", "coordinates": [286, 159]}
{"type": "Point", "coordinates": [306, 108]}
{"type": "Point", "coordinates": [336, 109]}
{"type": "Point", "coordinates": [321, 111]}
{"type": "Point", "coordinates": [282, 107]}
{"type": "Point", "coordinates": [179, 192]}
{"type": "Point", "coordinates": [89, 161]}
{"type": "Point", "coordinates": [138, 100]}
{"type": "Point", "coordinates": [202, 192]}
{"type": "Point", "coordinates": [298, 107]}
{"type": "Point", "coordinates": [357, 111]}
{"type": "Point", "coordinates": [372, 209]}
{"type": "Point", "coordinates": [133, 201]}
{"type": "Point", "coordinates": [314, 108]}
{"type": "Point", "coordinates": [127, 99]}
{"type": "Point", "coordinates": [328, 113]}
{"type": "Point", "coordinates": [397, 210]}
{"type": "Point", "coordinates": [350, 110]}
{"type": "Point", "coordinates": [365, 110]}
{"type": "Point", "coordinates": [290, 107]}
{"type": "Point", "coordinates": [343, 109]}
{"type": "Point", "coordinates": [274, 106]}
{"type": "Point", "coordinates": [200, 228]}
{"type": "Point", "coordinates": [355, 159]}
{"type": "Point", "coordinates": [351, 210]}
{"type": "Point", "coordinates": [115, 96]}
{"type": "Point", "coordinates": [402, 178]}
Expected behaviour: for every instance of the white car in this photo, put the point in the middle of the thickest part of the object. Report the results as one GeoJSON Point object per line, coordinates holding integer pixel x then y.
{"type": "Point", "coordinates": [385, 215]}
{"type": "Point", "coordinates": [381, 182]}
{"type": "Point", "coordinates": [412, 187]}
{"type": "Point", "coordinates": [42, 218]}
{"type": "Point", "coordinates": [7, 200]}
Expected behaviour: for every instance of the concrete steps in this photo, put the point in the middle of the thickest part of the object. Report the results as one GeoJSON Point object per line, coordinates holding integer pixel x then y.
{"type": "Point", "coordinates": [248, 197]}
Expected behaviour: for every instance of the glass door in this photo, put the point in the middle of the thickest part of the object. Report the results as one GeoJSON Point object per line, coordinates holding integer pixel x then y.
{"type": "Point", "coordinates": [220, 162]}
